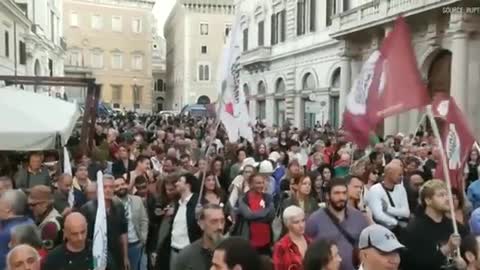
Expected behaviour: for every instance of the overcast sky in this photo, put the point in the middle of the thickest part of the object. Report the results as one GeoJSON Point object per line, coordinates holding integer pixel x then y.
{"type": "Point", "coordinates": [161, 10]}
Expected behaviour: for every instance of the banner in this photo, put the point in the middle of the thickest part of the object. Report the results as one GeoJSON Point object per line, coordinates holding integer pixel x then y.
{"type": "Point", "coordinates": [233, 111]}
{"type": "Point", "coordinates": [100, 243]}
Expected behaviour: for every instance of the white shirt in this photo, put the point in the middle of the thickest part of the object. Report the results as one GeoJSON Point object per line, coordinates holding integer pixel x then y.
{"type": "Point", "coordinates": [132, 233]}
{"type": "Point", "coordinates": [376, 194]}
{"type": "Point", "coordinates": [180, 237]}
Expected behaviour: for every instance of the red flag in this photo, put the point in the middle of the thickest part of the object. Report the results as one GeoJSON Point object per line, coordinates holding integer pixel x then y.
{"type": "Point", "coordinates": [456, 136]}
{"type": "Point", "coordinates": [388, 84]}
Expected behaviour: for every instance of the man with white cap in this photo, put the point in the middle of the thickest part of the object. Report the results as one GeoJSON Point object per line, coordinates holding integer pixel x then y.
{"type": "Point", "coordinates": [379, 249]}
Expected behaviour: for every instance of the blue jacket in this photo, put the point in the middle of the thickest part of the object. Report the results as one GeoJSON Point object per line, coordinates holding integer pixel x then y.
{"type": "Point", "coordinates": [473, 194]}
{"type": "Point", "coordinates": [6, 227]}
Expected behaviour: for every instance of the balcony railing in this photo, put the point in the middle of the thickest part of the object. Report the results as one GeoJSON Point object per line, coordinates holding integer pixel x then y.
{"type": "Point", "coordinates": [257, 56]}
{"type": "Point", "coordinates": [380, 11]}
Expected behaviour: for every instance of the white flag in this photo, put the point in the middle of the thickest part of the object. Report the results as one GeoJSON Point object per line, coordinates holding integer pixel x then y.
{"type": "Point", "coordinates": [233, 108]}
{"type": "Point", "coordinates": [67, 167]}
{"type": "Point", "coordinates": [100, 229]}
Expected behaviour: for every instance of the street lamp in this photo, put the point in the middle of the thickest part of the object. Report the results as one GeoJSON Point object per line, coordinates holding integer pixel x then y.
{"type": "Point", "coordinates": [135, 94]}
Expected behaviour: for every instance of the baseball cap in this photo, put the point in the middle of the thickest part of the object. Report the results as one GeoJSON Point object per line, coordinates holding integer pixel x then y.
{"type": "Point", "coordinates": [380, 238]}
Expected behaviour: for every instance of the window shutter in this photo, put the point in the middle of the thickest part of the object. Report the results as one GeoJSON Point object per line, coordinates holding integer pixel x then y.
{"type": "Point", "coordinates": [313, 13]}
{"type": "Point", "coordinates": [283, 24]}
{"type": "Point", "coordinates": [299, 18]}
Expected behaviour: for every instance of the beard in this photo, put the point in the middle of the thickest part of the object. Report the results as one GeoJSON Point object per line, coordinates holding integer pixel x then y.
{"type": "Point", "coordinates": [121, 193]}
{"type": "Point", "coordinates": [338, 206]}
{"type": "Point", "coordinates": [216, 237]}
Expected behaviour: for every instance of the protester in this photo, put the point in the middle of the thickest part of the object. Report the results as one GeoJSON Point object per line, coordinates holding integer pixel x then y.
{"type": "Point", "coordinates": [198, 255]}
{"type": "Point", "coordinates": [379, 249]}
{"type": "Point", "coordinates": [388, 200]}
{"type": "Point", "coordinates": [81, 180]}
{"type": "Point", "coordinates": [23, 257]}
{"type": "Point", "coordinates": [33, 174]}
{"type": "Point", "coordinates": [338, 222]}
{"type": "Point", "coordinates": [47, 218]}
{"type": "Point", "coordinates": [28, 234]}
{"type": "Point", "coordinates": [12, 214]}
{"type": "Point", "coordinates": [256, 212]}
{"type": "Point", "coordinates": [67, 198]}
{"type": "Point", "coordinates": [137, 219]}
{"type": "Point", "coordinates": [303, 196]}
{"type": "Point", "coordinates": [6, 183]}
{"type": "Point", "coordinates": [117, 224]}
{"type": "Point", "coordinates": [185, 229]}
{"type": "Point", "coordinates": [289, 251]}
{"type": "Point", "coordinates": [429, 237]}
{"type": "Point", "coordinates": [322, 255]}
{"type": "Point", "coordinates": [235, 253]}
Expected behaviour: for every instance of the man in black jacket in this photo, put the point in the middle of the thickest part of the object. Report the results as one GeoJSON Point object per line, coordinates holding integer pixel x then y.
{"type": "Point", "coordinates": [185, 228]}
{"type": "Point", "coordinates": [429, 237]}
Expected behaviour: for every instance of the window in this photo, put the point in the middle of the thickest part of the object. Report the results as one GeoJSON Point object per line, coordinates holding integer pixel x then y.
{"type": "Point", "coordinates": [137, 62]}
{"type": "Point", "coordinates": [280, 86]}
{"type": "Point", "coordinates": [308, 82]}
{"type": "Point", "coordinates": [137, 96]}
{"type": "Point", "coordinates": [117, 61]}
{"type": "Point", "coordinates": [97, 59]}
{"type": "Point", "coordinates": [23, 53]}
{"type": "Point", "coordinates": [116, 93]}
{"type": "Point", "coordinates": [97, 22]}
{"type": "Point", "coordinates": [331, 10]}
{"type": "Point", "coordinates": [7, 44]}
{"type": "Point", "coordinates": [159, 85]}
{"type": "Point", "coordinates": [301, 18]}
{"type": "Point", "coordinates": [278, 24]}
{"type": "Point", "coordinates": [204, 29]}
{"type": "Point", "coordinates": [204, 49]}
{"type": "Point", "coordinates": [74, 19]}
{"type": "Point", "coordinates": [117, 24]}
{"type": "Point", "coordinates": [137, 25]}
{"type": "Point", "coordinates": [75, 58]}
{"type": "Point", "coordinates": [261, 33]}
{"type": "Point", "coordinates": [52, 26]}
{"type": "Point", "coordinates": [245, 39]}
{"type": "Point", "coordinates": [262, 109]}
{"type": "Point", "coordinates": [261, 90]}
{"type": "Point", "coordinates": [228, 29]}
{"type": "Point", "coordinates": [204, 72]}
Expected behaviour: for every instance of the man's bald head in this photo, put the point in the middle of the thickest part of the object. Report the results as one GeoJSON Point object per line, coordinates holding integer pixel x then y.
{"type": "Point", "coordinates": [74, 218]}
{"type": "Point", "coordinates": [393, 172]}
{"type": "Point", "coordinates": [75, 231]}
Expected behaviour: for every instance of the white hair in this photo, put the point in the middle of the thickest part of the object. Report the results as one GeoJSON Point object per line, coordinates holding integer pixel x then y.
{"type": "Point", "coordinates": [19, 247]}
{"type": "Point", "coordinates": [291, 212]}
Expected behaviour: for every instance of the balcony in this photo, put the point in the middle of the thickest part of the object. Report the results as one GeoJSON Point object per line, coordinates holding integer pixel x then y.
{"type": "Point", "coordinates": [78, 70]}
{"type": "Point", "coordinates": [258, 58]}
{"type": "Point", "coordinates": [378, 12]}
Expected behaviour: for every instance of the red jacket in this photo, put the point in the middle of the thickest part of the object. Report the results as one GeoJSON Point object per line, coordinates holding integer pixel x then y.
{"type": "Point", "coordinates": [286, 255]}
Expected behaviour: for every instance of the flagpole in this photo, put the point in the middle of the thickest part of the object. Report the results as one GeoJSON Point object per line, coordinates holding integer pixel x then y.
{"type": "Point", "coordinates": [445, 166]}
{"type": "Point", "coordinates": [477, 146]}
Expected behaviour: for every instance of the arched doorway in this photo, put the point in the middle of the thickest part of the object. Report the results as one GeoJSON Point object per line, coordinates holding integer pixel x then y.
{"type": "Point", "coordinates": [204, 100]}
{"type": "Point", "coordinates": [439, 79]}
{"type": "Point", "coordinates": [160, 101]}
{"type": "Point", "coordinates": [439, 73]}
{"type": "Point", "coordinates": [310, 108]}
{"type": "Point", "coordinates": [308, 82]}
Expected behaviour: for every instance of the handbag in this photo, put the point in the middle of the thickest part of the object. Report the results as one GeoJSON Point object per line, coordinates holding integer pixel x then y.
{"type": "Point", "coordinates": [277, 224]}
{"type": "Point", "coordinates": [348, 236]}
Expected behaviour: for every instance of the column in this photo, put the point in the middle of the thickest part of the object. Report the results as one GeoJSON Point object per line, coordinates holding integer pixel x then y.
{"type": "Point", "coordinates": [270, 110]}
{"type": "Point", "coordinates": [298, 109]}
{"type": "Point", "coordinates": [345, 79]}
{"type": "Point", "coordinates": [459, 74]}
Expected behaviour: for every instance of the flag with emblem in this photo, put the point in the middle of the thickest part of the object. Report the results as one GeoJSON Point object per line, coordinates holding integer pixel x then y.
{"type": "Point", "coordinates": [389, 83]}
{"type": "Point", "coordinates": [100, 229]}
{"type": "Point", "coordinates": [233, 111]}
{"type": "Point", "coordinates": [456, 137]}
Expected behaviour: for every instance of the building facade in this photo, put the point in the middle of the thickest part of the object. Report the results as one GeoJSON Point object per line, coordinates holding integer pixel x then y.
{"type": "Point", "coordinates": [32, 43]}
{"type": "Point", "coordinates": [196, 32]}
{"type": "Point", "coordinates": [159, 69]}
{"type": "Point", "coordinates": [301, 56]}
{"type": "Point", "coordinates": [112, 41]}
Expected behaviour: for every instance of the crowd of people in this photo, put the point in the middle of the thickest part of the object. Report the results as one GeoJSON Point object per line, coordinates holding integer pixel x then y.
{"type": "Point", "coordinates": [180, 196]}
